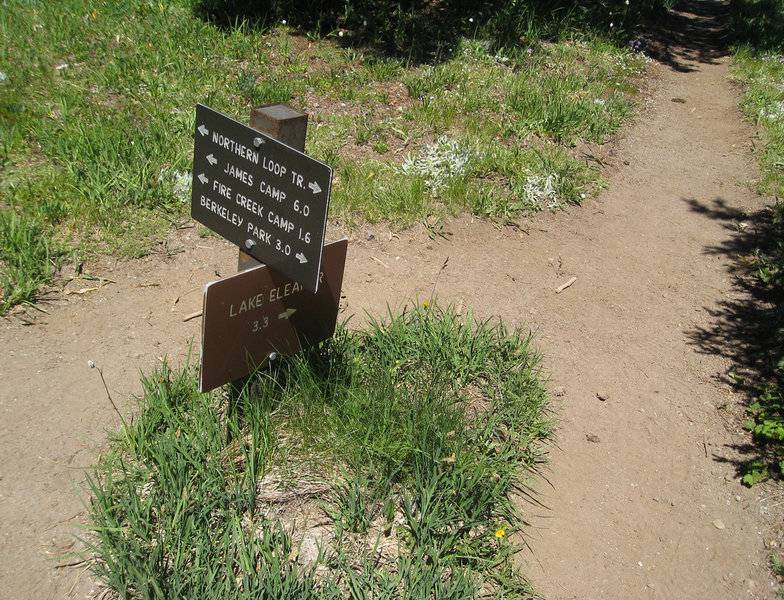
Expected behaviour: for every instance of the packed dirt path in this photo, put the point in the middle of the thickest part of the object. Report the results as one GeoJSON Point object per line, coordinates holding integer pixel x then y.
{"type": "Point", "coordinates": [645, 498]}
{"type": "Point", "coordinates": [642, 497]}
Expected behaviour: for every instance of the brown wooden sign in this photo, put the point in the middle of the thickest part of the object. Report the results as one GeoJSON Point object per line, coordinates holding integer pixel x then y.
{"type": "Point", "coordinates": [254, 313]}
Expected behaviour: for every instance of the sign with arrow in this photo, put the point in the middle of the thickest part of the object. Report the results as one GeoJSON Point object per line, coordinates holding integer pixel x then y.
{"type": "Point", "coordinates": [254, 313]}
{"type": "Point", "coordinates": [266, 197]}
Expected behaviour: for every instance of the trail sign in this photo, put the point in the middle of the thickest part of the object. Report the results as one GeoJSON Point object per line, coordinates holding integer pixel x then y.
{"type": "Point", "coordinates": [256, 312]}
{"type": "Point", "coordinates": [266, 197]}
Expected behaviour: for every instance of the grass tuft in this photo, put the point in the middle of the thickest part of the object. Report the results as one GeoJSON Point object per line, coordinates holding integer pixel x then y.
{"type": "Point", "coordinates": [414, 436]}
{"type": "Point", "coordinates": [27, 258]}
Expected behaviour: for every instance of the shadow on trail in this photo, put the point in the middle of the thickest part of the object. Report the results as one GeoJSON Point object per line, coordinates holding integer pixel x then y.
{"type": "Point", "coordinates": [693, 33]}
{"type": "Point", "coordinates": [747, 326]}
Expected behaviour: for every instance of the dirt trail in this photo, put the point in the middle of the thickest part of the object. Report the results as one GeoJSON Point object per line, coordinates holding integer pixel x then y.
{"type": "Point", "coordinates": [643, 498]}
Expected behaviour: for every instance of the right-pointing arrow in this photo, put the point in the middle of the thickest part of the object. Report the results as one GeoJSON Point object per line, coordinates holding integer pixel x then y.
{"type": "Point", "coordinates": [313, 185]}
{"type": "Point", "coordinates": [287, 314]}
{"type": "Point", "coordinates": [203, 178]}
{"type": "Point", "coordinates": [203, 130]}
{"type": "Point", "coordinates": [301, 258]}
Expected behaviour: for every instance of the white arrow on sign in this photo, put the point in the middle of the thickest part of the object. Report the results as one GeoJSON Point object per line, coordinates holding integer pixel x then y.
{"type": "Point", "coordinates": [203, 178]}
{"type": "Point", "coordinates": [301, 258]}
{"type": "Point", "coordinates": [313, 185]}
{"type": "Point", "coordinates": [287, 314]}
{"type": "Point", "coordinates": [211, 159]}
{"type": "Point", "coordinates": [203, 130]}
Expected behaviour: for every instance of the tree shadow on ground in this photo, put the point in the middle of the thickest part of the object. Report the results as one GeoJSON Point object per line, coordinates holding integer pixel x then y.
{"type": "Point", "coordinates": [746, 327]}
{"type": "Point", "coordinates": [693, 33]}
{"type": "Point", "coordinates": [428, 31]}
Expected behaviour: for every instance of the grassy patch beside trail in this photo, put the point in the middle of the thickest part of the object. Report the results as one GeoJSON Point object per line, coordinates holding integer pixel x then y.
{"type": "Point", "coordinates": [97, 107]}
{"type": "Point", "coordinates": [384, 464]}
{"type": "Point", "coordinates": [762, 75]}
{"type": "Point", "coordinates": [760, 69]}
{"type": "Point", "coordinates": [761, 369]}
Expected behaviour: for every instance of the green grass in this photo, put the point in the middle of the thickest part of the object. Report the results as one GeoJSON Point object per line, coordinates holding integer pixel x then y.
{"type": "Point", "coordinates": [414, 437]}
{"type": "Point", "coordinates": [97, 108]}
{"type": "Point", "coordinates": [757, 24]}
{"type": "Point", "coordinates": [762, 74]}
{"type": "Point", "coordinates": [26, 258]}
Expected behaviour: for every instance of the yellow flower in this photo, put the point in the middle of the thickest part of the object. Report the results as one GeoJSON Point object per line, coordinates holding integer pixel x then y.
{"type": "Point", "coordinates": [426, 304]}
{"type": "Point", "coordinates": [499, 533]}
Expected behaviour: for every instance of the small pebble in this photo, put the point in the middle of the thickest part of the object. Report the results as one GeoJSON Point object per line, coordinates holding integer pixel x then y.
{"type": "Point", "coordinates": [603, 396]}
{"type": "Point", "coordinates": [91, 364]}
{"type": "Point", "coordinates": [594, 439]}
{"type": "Point", "coordinates": [718, 524]}
{"type": "Point", "coordinates": [559, 391]}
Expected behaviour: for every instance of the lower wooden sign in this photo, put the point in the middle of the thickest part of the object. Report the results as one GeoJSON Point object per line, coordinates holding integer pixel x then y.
{"type": "Point", "coordinates": [254, 313]}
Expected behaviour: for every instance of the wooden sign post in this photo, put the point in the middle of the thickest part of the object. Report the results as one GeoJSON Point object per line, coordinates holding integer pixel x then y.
{"type": "Point", "coordinates": [254, 186]}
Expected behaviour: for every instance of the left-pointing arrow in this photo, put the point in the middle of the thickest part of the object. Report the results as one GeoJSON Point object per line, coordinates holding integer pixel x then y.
{"type": "Point", "coordinates": [211, 159]}
{"type": "Point", "coordinates": [203, 178]}
{"type": "Point", "coordinates": [203, 130]}
{"type": "Point", "coordinates": [287, 314]}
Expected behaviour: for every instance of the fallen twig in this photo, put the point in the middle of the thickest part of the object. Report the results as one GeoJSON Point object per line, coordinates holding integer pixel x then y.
{"type": "Point", "coordinates": [192, 316]}
{"type": "Point", "coordinates": [177, 299]}
{"type": "Point", "coordinates": [381, 262]}
{"type": "Point", "coordinates": [565, 285]}
{"type": "Point", "coordinates": [81, 291]}
{"type": "Point", "coordinates": [36, 307]}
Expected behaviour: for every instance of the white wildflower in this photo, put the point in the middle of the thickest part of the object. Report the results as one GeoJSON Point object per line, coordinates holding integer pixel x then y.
{"type": "Point", "coordinates": [774, 112]}
{"type": "Point", "coordinates": [180, 182]}
{"type": "Point", "coordinates": [439, 163]}
{"type": "Point", "coordinates": [541, 189]}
